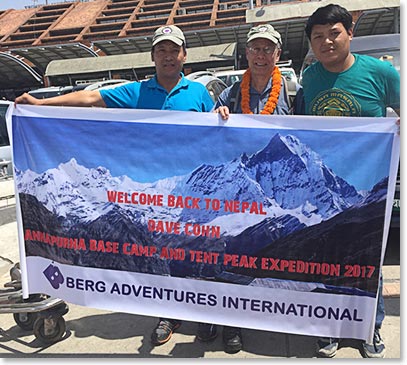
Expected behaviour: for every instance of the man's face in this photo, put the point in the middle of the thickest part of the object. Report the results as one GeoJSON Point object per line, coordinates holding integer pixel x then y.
{"type": "Point", "coordinates": [262, 55]}
{"type": "Point", "coordinates": [169, 58]}
{"type": "Point", "coordinates": [331, 44]}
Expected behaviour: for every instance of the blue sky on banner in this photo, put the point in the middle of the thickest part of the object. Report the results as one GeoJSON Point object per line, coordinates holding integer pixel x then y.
{"type": "Point", "coordinates": [160, 151]}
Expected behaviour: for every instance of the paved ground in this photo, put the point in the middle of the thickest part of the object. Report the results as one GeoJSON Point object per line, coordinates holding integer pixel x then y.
{"type": "Point", "coordinates": [97, 333]}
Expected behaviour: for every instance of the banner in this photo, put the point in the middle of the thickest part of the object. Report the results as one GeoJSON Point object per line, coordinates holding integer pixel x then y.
{"type": "Point", "coordinates": [269, 222]}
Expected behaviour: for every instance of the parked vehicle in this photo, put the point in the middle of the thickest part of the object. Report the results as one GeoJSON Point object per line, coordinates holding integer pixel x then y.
{"type": "Point", "coordinates": [100, 84]}
{"type": "Point", "coordinates": [213, 84]}
{"type": "Point", "coordinates": [229, 77]}
{"type": "Point", "coordinates": [287, 70]}
{"type": "Point", "coordinates": [49, 92]}
{"type": "Point", "coordinates": [5, 149]}
{"type": "Point", "coordinates": [112, 86]}
{"type": "Point", "coordinates": [289, 74]}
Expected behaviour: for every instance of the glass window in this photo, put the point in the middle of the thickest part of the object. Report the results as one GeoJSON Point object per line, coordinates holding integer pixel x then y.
{"type": "Point", "coordinates": [4, 141]}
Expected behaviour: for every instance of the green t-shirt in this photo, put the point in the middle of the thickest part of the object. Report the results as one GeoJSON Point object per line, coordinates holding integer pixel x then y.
{"type": "Point", "coordinates": [365, 89]}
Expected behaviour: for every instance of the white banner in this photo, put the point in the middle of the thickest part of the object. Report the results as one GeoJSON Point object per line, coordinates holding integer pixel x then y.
{"type": "Point", "coordinates": [270, 222]}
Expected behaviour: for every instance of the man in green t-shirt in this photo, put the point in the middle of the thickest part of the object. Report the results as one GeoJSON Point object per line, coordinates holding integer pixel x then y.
{"type": "Point", "coordinates": [342, 83]}
{"type": "Point", "coordinates": [346, 84]}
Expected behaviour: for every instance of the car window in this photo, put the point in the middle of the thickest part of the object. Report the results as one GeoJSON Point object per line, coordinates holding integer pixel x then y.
{"type": "Point", "coordinates": [4, 140]}
{"type": "Point", "coordinates": [212, 90]}
{"type": "Point", "coordinates": [234, 78]}
{"type": "Point", "coordinates": [289, 74]}
{"type": "Point", "coordinates": [223, 78]}
{"type": "Point", "coordinates": [215, 88]}
{"type": "Point", "coordinates": [230, 77]}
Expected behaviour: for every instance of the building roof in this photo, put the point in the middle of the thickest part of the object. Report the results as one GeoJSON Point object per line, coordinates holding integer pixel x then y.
{"type": "Point", "coordinates": [135, 60]}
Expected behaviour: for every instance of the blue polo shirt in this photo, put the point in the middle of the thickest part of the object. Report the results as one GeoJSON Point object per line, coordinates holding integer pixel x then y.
{"type": "Point", "coordinates": [187, 95]}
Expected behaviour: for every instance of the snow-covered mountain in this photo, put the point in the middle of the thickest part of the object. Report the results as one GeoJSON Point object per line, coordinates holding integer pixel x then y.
{"type": "Point", "coordinates": [286, 177]}
{"type": "Point", "coordinates": [71, 190]}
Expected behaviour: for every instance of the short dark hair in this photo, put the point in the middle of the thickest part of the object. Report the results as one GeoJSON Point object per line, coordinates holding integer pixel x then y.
{"type": "Point", "coordinates": [330, 14]}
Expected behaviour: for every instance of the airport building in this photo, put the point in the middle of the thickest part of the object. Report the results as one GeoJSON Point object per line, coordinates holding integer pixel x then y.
{"type": "Point", "coordinates": [70, 42]}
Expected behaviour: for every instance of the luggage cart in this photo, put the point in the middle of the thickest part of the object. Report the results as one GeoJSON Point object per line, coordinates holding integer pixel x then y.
{"type": "Point", "coordinates": [39, 313]}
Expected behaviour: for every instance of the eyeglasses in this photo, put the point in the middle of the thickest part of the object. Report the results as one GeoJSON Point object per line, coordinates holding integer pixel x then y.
{"type": "Point", "coordinates": [266, 50]}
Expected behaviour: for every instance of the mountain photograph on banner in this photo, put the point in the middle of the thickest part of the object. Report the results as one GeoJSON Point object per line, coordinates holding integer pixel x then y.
{"type": "Point", "coordinates": [278, 215]}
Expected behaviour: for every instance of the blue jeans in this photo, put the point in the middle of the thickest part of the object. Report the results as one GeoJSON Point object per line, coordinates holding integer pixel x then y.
{"type": "Point", "coordinates": [380, 313]}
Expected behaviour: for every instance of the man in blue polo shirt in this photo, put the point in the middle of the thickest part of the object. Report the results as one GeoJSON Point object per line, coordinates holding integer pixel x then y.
{"type": "Point", "coordinates": [167, 90]}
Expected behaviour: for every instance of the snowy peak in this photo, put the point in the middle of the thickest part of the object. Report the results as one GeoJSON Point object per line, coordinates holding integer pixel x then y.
{"type": "Point", "coordinates": [84, 176]}
{"type": "Point", "coordinates": [275, 150]}
{"type": "Point", "coordinates": [72, 168]}
{"type": "Point", "coordinates": [284, 148]}
{"type": "Point", "coordinates": [292, 174]}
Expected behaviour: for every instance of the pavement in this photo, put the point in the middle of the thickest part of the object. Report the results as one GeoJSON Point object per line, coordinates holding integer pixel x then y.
{"type": "Point", "coordinates": [93, 333]}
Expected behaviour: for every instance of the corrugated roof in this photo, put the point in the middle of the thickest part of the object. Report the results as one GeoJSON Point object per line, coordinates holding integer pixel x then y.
{"type": "Point", "coordinates": [220, 52]}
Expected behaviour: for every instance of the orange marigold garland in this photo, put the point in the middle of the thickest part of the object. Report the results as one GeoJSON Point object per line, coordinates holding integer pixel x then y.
{"type": "Point", "coordinates": [273, 97]}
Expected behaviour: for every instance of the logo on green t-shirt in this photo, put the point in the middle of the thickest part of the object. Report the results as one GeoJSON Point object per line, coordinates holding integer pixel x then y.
{"type": "Point", "coordinates": [335, 102]}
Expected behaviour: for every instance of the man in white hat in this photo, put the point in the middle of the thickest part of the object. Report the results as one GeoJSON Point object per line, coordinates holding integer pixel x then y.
{"type": "Point", "coordinates": [262, 89]}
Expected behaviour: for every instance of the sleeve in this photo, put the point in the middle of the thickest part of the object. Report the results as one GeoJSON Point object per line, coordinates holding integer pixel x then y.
{"type": "Point", "coordinates": [305, 94]}
{"type": "Point", "coordinates": [299, 103]}
{"type": "Point", "coordinates": [125, 96]}
{"type": "Point", "coordinates": [393, 88]}
{"type": "Point", "coordinates": [224, 98]}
